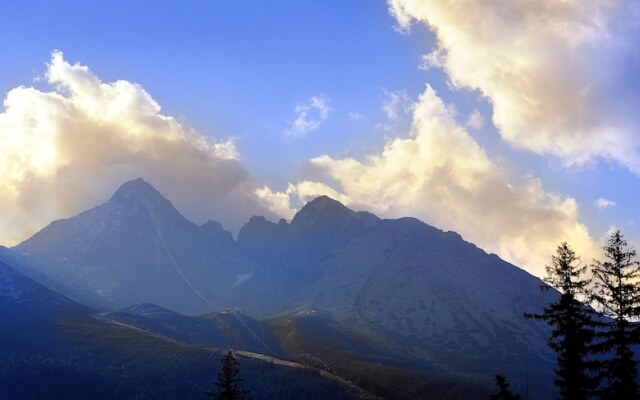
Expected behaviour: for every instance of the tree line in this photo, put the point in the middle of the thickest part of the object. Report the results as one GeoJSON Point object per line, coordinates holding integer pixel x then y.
{"type": "Point", "coordinates": [594, 323]}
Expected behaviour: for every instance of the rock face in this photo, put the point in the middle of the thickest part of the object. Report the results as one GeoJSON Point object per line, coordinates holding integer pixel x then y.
{"type": "Point", "coordinates": [421, 293]}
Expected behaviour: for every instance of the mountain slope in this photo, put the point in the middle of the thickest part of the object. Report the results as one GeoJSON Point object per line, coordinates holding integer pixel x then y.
{"type": "Point", "coordinates": [315, 340]}
{"type": "Point", "coordinates": [424, 295]}
{"type": "Point", "coordinates": [429, 295]}
{"type": "Point", "coordinates": [30, 312]}
{"type": "Point", "coordinates": [213, 330]}
{"type": "Point", "coordinates": [50, 347]}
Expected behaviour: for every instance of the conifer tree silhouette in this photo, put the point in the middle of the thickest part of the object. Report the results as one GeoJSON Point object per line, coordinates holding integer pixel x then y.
{"type": "Point", "coordinates": [504, 392]}
{"type": "Point", "coordinates": [573, 326]}
{"type": "Point", "coordinates": [617, 291]}
{"type": "Point", "coordinates": [228, 380]}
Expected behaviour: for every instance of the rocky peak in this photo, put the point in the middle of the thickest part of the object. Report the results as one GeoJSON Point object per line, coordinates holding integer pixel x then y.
{"type": "Point", "coordinates": [257, 230]}
{"type": "Point", "coordinates": [330, 216]}
{"type": "Point", "coordinates": [140, 199]}
{"type": "Point", "coordinates": [319, 209]}
{"type": "Point", "coordinates": [137, 190]}
{"type": "Point", "coordinates": [217, 233]}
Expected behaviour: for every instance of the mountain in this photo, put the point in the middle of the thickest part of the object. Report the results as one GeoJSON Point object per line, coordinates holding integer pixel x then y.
{"type": "Point", "coordinates": [321, 225]}
{"type": "Point", "coordinates": [405, 288]}
{"type": "Point", "coordinates": [135, 248]}
{"type": "Point", "coordinates": [422, 294]}
{"type": "Point", "coordinates": [285, 258]}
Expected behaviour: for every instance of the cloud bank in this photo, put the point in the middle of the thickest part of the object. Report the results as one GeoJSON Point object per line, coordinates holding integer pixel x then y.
{"type": "Point", "coordinates": [561, 75]}
{"type": "Point", "coordinates": [68, 149]}
{"type": "Point", "coordinates": [442, 176]}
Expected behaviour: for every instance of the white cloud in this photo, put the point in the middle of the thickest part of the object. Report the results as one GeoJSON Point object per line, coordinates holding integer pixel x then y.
{"type": "Point", "coordinates": [603, 203]}
{"type": "Point", "coordinates": [310, 116]}
{"type": "Point", "coordinates": [395, 103]}
{"type": "Point", "coordinates": [475, 120]}
{"type": "Point", "coordinates": [435, 59]}
{"type": "Point", "coordinates": [65, 150]}
{"type": "Point", "coordinates": [354, 116]}
{"type": "Point", "coordinates": [441, 175]}
{"type": "Point", "coordinates": [278, 202]}
{"type": "Point", "coordinates": [561, 75]}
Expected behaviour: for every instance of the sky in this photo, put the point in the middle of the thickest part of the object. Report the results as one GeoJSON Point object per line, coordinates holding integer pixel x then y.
{"type": "Point", "coordinates": [512, 122]}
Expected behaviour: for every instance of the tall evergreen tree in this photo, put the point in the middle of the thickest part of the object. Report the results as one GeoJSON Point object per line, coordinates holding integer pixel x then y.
{"type": "Point", "coordinates": [504, 393]}
{"type": "Point", "coordinates": [573, 326]}
{"type": "Point", "coordinates": [228, 380]}
{"type": "Point", "coordinates": [618, 293]}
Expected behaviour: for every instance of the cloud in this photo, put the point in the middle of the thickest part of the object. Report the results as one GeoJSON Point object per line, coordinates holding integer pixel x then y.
{"type": "Point", "coordinates": [561, 75]}
{"type": "Point", "coordinates": [278, 202]}
{"type": "Point", "coordinates": [310, 116]}
{"type": "Point", "coordinates": [356, 117]}
{"type": "Point", "coordinates": [68, 149]}
{"type": "Point", "coordinates": [602, 203]}
{"type": "Point", "coordinates": [395, 103]}
{"type": "Point", "coordinates": [442, 176]}
{"type": "Point", "coordinates": [475, 120]}
{"type": "Point", "coordinates": [435, 59]}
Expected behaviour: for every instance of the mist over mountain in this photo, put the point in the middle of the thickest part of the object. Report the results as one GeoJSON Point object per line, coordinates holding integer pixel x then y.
{"type": "Point", "coordinates": [403, 287]}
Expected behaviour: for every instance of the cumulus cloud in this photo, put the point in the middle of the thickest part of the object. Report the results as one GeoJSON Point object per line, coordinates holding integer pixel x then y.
{"type": "Point", "coordinates": [603, 203]}
{"type": "Point", "coordinates": [309, 116]}
{"type": "Point", "coordinates": [278, 202]}
{"type": "Point", "coordinates": [68, 149]}
{"type": "Point", "coordinates": [561, 75]}
{"type": "Point", "coordinates": [441, 175]}
{"type": "Point", "coordinates": [395, 103]}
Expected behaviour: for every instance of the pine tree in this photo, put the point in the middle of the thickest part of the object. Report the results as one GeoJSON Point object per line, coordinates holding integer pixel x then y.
{"type": "Point", "coordinates": [618, 293]}
{"type": "Point", "coordinates": [504, 392]}
{"type": "Point", "coordinates": [228, 380]}
{"type": "Point", "coordinates": [573, 326]}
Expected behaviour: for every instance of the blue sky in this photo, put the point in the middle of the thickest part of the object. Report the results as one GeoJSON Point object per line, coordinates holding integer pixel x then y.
{"type": "Point", "coordinates": [229, 68]}
{"type": "Point", "coordinates": [284, 83]}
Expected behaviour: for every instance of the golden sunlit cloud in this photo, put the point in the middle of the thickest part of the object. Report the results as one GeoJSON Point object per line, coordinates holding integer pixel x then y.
{"type": "Point", "coordinates": [442, 176]}
{"type": "Point", "coordinates": [557, 73]}
{"type": "Point", "coordinates": [69, 149]}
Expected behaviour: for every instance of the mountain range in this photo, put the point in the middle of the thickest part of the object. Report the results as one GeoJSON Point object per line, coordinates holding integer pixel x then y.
{"type": "Point", "coordinates": [332, 285]}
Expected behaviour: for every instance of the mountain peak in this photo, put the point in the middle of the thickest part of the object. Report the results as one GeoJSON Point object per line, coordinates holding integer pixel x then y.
{"type": "Point", "coordinates": [321, 207]}
{"type": "Point", "coordinates": [324, 214]}
{"type": "Point", "coordinates": [325, 201]}
{"type": "Point", "coordinates": [137, 189]}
